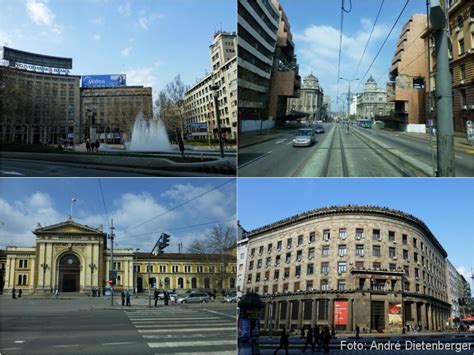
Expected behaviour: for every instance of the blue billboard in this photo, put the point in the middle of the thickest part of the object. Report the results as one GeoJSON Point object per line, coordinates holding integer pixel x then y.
{"type": "Point", "coordinates": [101, 81]}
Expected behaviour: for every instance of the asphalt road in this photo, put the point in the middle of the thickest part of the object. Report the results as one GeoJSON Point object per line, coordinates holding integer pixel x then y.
{"type": "Point", "coordinates": [338, 153]}
{"type": "Point", "coordinates": [89, 326]}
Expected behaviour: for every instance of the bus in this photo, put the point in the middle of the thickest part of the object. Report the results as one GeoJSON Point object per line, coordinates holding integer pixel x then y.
{"type": "Point", "coordinates": [364, 123]}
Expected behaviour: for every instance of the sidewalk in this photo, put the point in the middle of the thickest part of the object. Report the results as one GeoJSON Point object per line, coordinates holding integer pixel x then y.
{"type": "Point", "coordinates": [253, 138]}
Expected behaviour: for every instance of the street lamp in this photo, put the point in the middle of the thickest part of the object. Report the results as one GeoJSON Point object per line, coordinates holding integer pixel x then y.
{"type": "Point", "coordinates": [44, 267]}
{"type": "Point", "coordinates": [271, 316]}
{"type": "Point", "coordinates": [92, 267]}
{"type": "Point", "coordinates": [349, 94]}
{"type": "Point", "coordinates": [135, 269]}
{"type": "Point", "coordinates": [215, 88]}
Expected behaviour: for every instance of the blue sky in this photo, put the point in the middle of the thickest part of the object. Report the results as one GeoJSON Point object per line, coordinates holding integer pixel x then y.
{"type": "Point", "coordinates": [445, 205]}
{"type": "Point", "coordinates": [25, 202]}
{"type": "Point", "coordinates": [150, 41]}
{"type": "Point", "coordinates": [315, 26]}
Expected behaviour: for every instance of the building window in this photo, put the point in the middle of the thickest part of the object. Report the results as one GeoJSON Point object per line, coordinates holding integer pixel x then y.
{"type": "Point", "coordinates": [312, 237]}
{"type": "Point", "coordinates": [360, 250]}
{"type": "Point", "coordinates": [298, 271]}
{"type": "Point", "coordinates": [276, 275]}
{"type": "Point", "coordinates": [277, 260]}
{"type": "Point", "coordinates": [176, 268]}
{"type": "Point", "coordinates": [269, 248]}
{"type": "Point", "coordinates": [288, 258]}
{"type": "Point", "coordinates": [471, 14]}
{"type": "Point", "coordinates": [392, 252]}
{"type": "Point", "coordinates": [286, 273]}
{"type": "Point", "coordinates": [324, 285]}
{"type": "Point", "coordinates": [376, 250]}
{"type": "Point", "coordinates": [392, 267]}
{"type": "Point", "coordinates": [299, 255]}
{"type": "Point", "coordinates": [460, 22]}
{"type": "Point", "coordinates": [259, 263]}
{"type": "Point", "coordinates": [341, 285]}
{"type": "Point", "coordinates": [249, 278]}
{"type": "Point", "coordinates": [407, 270]}
{"type": "Point", "coordinates": [376, 234]}
{"type": "Point", "coordinates": [285, 287]}
{"type": "Point", "coordinates": [279, 245]}
{"type": "Point", "coordinates": [24, 264]}
{"type": "Point", "coordinates": [463, 97]}
{"type": "Point", "coordinates": [187, 268]}
{"type": "Point", "coordinates": [268, 261]}
{"type": "Point", "coordinates": [275, 288]}
{"type": "Point", "coordinates": [342, 233]}
{"type": "Point", "coordinates": [242, 256]}
{"type": "Point", "coordinates": [199, 268]}
{"type": "Point", "coordinates": [251, 265]}
{"type": "Point", "coordinates": [162, 268]}
{"type": "Point", "coordinates": [325, 250]}
{"type": "Point", "coordinates": [252, 252]}
{"type": "Point", "coordinates": [311, 252]}
{"type": "Point", "coordinates": [300, 240]}
{"type": "Point", "coordinates": [461, 46]}
{"type": "Point", "coordinates": [309, 285]}
{"type": "Point", "coordinates": [265, 290]}
{"type": "Point", "coordinates": [359, 264]}
{"type": "Point", "coordinates": [415, 257]}
{"type": "Point", "coordinates": [326, 234]}
{"type": "Point", "coordinates": [376, 265]}
{"type": "Point", "coordinates": [341, 266]}
{"type": "Point", "coordinates": [288, 243]}
{"type": "Point", "coordinates": [359, 233]}
{"type": "Point", "coordinates": [462, 69]}
{"type": "Point", "coordinates": [415, 244]}
{"type": "Point", "coordinates": [310, 269]}
{"type": "Point", "coordinates": [342, 250]}
{"type": "Point", "coordinates": [257, 277]}
{"type": "Point", "coordinates": [404, 239]}
{"type": "Point", "coordinates": [324, 268]}
{"type": "Point", "coordinates": [260, 250]}
{"type": "Point", "coordinates": [391, 236]}
{"type": "Point", "coordinates": [405, 254]}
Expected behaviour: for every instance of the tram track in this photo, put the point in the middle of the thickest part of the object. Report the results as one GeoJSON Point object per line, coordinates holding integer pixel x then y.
{"type": "Point", "coordinates": [331, 155]}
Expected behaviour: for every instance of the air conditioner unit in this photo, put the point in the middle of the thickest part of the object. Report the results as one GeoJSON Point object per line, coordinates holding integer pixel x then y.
{"type": "Point", "coordinates": [461, 82]}
{"type": "Point", "coordinates": [299, 259]}
{"type": "Point", "coordinates": [395, 258]}
{"type": "Point", "coordinates": [310, 257]}
{"type": "Point", "coordinates": [265, 279]}
{"type": "Point", "coordinates": [297, 276]}
{"type": "Point", "coordinates": [464, 107]}
{"type": "Point", "coordinates": [289, 246]}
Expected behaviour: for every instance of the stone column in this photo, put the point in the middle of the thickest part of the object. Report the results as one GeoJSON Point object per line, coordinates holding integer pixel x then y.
{"type": "Point", "coordinates": [288, 314]}
{"type": "Point", "coordinates": [300, 314]}
{"type": "Point", "coordinates": [350, 318]}
{"type": "Point", "coordinates": [277, 315]}
{"type": "Point", "coordinates": [314, 313]}
{"type": "Point", "coordinates": [414, 313]}
{"type": "Point", "coordinates": [331, 312]}
{"type": "Point", "coordinates": [430, 316]}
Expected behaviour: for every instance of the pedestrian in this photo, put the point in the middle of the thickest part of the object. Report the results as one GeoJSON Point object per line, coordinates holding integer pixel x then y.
{"type": "Point", "coordinates": [19, 293]}
{"type": "Point", "coordinates": [309, 340]}
{"type": "Point", "coordinates": [166, 297]}
{"type": "Point", "coordinates": [123, 297]}
{"type": "Point", "coordinates": [155, 296]}
{"type": "Point", "coordinates": [56, 293]}
{"type": "Point", "coordinates": [14, 293]}
{"type": "Point", "coordinates": [357, 332]}
{"type": "Point", "coordinates": [128, 294]}
{"type": "Point", "coordinates": [326, 338]}
{"type": "Point", "coordinates": [181, 145]}
{"type": "Point", "coordinates": [333, 331]}
{"type": "Point", "coordinates": [88, 145]}
{"type": "Point", "coordinates": [284, 341]}
{"type": "Point", "coordinates": [317, 337]}
{"type": "Point", "coordinates": [302, 333]}
{"type": "Point", "coordinates": [97, 145]}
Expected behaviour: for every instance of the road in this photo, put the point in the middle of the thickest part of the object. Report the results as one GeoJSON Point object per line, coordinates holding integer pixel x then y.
{"type": "Point", "coordinates": [90, 326]}
{"type": "Point", "coordinates": [338, 153]}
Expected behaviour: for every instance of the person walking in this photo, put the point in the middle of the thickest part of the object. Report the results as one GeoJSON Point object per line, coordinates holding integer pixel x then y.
{"type": "Point", "coordinates": [13, 293]}
{"type": "Point", "coordinates": [166, 297]}
{"type": "Point", "coordinates": [326, 338]}
{"type": "Point", "coordinates": [155, 297]}
{"type": "Point", "coordinates": [302, 333]}
{"type": "Point", "coordinates": [97, 145]}
{"type": "Point", "coordinates": [357, 331]}
{"type": "Point", "coordinates": [56, 293]}
{"type": "Point", "coordinates": [128, 294]}
{"type": "Point", "coordinates": [123, 297]}
{"type": "Point", "coordinates": [20, 291]}
{"type": "Point", "coordinates": [88, 145]}
{"type": "Point", "coordinates": [309, 340]}
{"type": "Point", "coordinates": [317, 337]}
{"type": "Point", "coordinates": [284, 341]}
{"type": "Point", "coordinates": [181, 145]}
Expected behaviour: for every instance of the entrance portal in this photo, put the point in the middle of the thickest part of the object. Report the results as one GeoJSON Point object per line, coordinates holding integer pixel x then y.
{"type": "Point", "coordinates": [69, 273]}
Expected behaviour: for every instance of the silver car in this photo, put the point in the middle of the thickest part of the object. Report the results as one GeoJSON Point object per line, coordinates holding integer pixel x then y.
{"type": "Point", "coordinates": [195, 297]}
{"type": "Point", "coordinates": [304, 137]}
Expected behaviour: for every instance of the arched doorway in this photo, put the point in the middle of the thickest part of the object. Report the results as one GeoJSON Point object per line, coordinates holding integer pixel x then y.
{"type": "Point", "coordinates": [167, 283]}
{"type": "Point", "coordinates": [193, 283]}
{"type": "Point", "coordinates": [69, 273]}
{"type": "Point", "coordinates": [180, 283]}
{"type": "Point", "coordinates": [139, 285]}
{"type": "Point", "coordinates": [207, 284]}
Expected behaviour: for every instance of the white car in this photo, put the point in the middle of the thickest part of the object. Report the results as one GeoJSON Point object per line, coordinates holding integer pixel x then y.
{"type": "Point", "coordinates": [304, 137]}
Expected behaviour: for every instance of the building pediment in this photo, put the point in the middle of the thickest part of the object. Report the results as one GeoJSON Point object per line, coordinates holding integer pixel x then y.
{"type": "Point", "coordinates": [68, 227]}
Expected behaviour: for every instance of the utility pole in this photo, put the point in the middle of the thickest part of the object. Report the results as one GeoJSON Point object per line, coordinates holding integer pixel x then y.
{"type": "Point", "coordinates": [444, 105]}
{"type": "Point", "coordinates": [112, 273]}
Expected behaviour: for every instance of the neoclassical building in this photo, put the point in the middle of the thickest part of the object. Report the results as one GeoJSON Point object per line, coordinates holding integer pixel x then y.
{"type": "Point", "coordinates": [345, 266]}
{"type": "Point", "coordinates": [74, 258]}
{"type": "Point", "coordinates": [372, 101]}
{"type": "Point", "coordinates": [310, 100]}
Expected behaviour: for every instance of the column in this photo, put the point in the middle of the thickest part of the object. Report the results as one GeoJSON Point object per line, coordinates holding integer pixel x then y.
{"type": "Point", "coordinates": [300, 314]}
{"type": "Point", "coordinates": [287, 319]}
{"type": "Point", "coordinates": [314, 313]}
{"type": "Point", "coordinates": [330, 312]}
{"type": "Point", "coordinates": [276, 316]}
{"type": "Point", "coordinates": [266, 317]}
{"type": "Point", "coordinates": [414, 313]}
{"type": "Point", "coordinates": [350, 304]}
{"type": "Point", "coordinates": [430, 316]}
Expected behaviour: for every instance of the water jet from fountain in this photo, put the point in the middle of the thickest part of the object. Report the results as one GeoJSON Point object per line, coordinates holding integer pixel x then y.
{"type": "Point", "coordinates": [148, 136]}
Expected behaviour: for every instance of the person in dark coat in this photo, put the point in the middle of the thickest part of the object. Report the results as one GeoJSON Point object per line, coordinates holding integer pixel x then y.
{"type": "Point", "coordinates": [97, 145]}
{"type": "Point", "coordinates": [14, 293]}
{"type": "Point", "coordinates": [88, 145]}
{"type": "Point", "coordinates": [284, 341]}
{"type": "Point", "coordinates": [166, 297]}
{"type": "Point", "coordinates": [155, 296]}
{"type": "Point", "coordinates": [326, 338]}
{"type": "Point", "coordinates": [333, 331]}
{"type": "Point", "coordinates": [357, 332]}
{"type": "Point", "coordinates": [317, 337]}
{"type": "Point", "coordinates": [309, 340]}
{"type": "Point", "coordinates": [123, 297]}
{"type": "Point", "coordinates": [181, 145]}
{"type": "Point", "coordinates": [302, 333]}
{"type": "Point", "coordinates": [128, 294]}
{"type": "Point", "coordinates": [19, 293]}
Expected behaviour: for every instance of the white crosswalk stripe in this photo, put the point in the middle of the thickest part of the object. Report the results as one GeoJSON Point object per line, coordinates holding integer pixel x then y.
{"type": "Point", "coordinates": [170, 330]}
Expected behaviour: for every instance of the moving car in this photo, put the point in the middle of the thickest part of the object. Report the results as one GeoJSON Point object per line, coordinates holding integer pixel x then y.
{"type": "Point", "coordinates": [304, 137]}
{"type": "Point", "coordinates": [195, 297]}
{"type": "Point", "coordinates": [319, 129]}
{"type": "Point", "coordinates": [231, 298]}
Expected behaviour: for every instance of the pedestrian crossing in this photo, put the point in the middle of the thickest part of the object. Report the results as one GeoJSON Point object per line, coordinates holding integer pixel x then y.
{"type": "Point", "coordinates": [182, 331]}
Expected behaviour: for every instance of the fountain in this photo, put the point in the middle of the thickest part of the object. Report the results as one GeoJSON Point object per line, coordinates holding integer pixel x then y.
{"type": "Point", "coordinates": [148, 136]}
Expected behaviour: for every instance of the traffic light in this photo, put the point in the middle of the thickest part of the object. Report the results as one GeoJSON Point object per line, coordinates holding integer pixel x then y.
{"type": "Point", "coordinates": [165, 241]}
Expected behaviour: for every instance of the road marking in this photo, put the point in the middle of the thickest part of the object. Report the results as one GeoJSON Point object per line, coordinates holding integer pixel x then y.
{"type": "Point", "coordinates": [11, 173]}
{"type": "Point", "coordinates": [6, 349]}
{"type": "Point", "coordinates": [122, 343]}
{"type": "Point", "coordinates": [174, 318]}
{"type": "Point", "coordinates": [65, 346]}
{"type": "Point", "coordinates": [177, 325]}
{"type": "Point", "coordinates": [19, 341]}
{"type": "Point", "coordinates": [187, 330]}
{"type": "Point", "coordinates": [172, 336]}
{"type": "Point", "coordinates": [289, 143]}
{"type": "Point", "coordinates": [222, 314]}
{"type": "Point", "coordinates": [280, 141]}
{"type": "Point", "coordinates": [254, 160]}
{"type": "Point", "coordinates": [192, 343]}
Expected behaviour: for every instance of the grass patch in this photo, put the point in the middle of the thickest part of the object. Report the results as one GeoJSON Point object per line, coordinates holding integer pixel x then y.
{"type": "Point", "coordinates": [32, 148]}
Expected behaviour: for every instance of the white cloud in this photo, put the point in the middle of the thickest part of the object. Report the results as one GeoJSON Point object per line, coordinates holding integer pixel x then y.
{"type": "Point", "coordinates": [465, 272]}
{"type": "Point", "coordinates": [125, 9]}
{"type": "Point", "coordinates": [141, 76]}
{"type": "Point", "coordinates": [146, 20]}
{"type": "Point", "coordinates": [96, 37]}
{"type": "Point", "coordinates": [126, 51]}
{"type": "Point", "coordinates": [98, 21]}
{"type": "Point", "coordinates": [39, 12]}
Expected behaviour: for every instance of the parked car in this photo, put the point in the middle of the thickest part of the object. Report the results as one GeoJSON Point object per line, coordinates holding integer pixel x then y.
{"type": "Point", "coordinates": [318, 129]}
{"type": "Point", "coordinates": [304, 137]}
{"type": "Point", "coordinates": [195, 297]}
{"type": "Point", "coordinates": [230, 298]}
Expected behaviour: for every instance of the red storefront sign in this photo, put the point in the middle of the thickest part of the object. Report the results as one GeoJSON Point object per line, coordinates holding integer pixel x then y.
{"type": "Point", "coordinates": [340, 312]}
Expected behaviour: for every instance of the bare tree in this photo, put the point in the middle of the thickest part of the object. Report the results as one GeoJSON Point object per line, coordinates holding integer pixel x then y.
{"type": "Point", "coordinates": [215, 248]}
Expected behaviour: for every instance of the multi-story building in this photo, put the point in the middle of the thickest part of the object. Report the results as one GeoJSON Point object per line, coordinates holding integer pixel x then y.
{"type": "Point", "coordinates": [461, 24]}
{"type": "Point", "coordinates": [372, 102]}
{"type": "Point", "coordinates": [258, 23]}
{"type": "Point", "coordinates": [2, 269]}
{"type": "Point", "coordinates": [453, 280]}
{"type": "Point", "coordinates": [200, 101]}
{"type": "Point", "coordinates": [72, 257]}
{"type": "Point", "coordinates": [108, 113]}
{"type": "Point", "coordinates": [406, 88]}
{"type": "Point", "coordinates": [285, 80]}
{"type": "Point", "coordinates": [242, 251]}
{"type": "Point", "coordinates": [310, 100]}
{"type": "Point", "coordinates": [39, 100]}
{"type": "Point", "coordinates": [353, 265]}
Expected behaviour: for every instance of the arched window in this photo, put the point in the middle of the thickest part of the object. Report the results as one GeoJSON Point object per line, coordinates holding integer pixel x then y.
{"type": "Point", "coordinates": [19, 280]}
{"type": "Point", "coordinates": [180, 283]}
{"type": "Point", "coordinates": [193, 283]}
{"type": "Point", "coordinates": [24, 280]}
{"type": "Point", "coordinates": [460, 22]}
{"type": "Point", "coordinates": [167, 282]}
{"type": "Point", "coordinates": [207, 284]}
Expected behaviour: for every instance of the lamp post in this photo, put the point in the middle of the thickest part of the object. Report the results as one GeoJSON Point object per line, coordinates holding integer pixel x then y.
{"type": "Point", "coordinates": [349, 94]}
{"type": "Point", "coordinates": [44, 267]}
{"type": "Point", "coordinates": [135, 269]}
{"type": "Point", "coordinates": [92, 267]}
{"type": "Point", "coordinates": [112, 272]}
{"type": "Point", "coordinates": [215, 88]}
{"type": "Point", "coordinates": [272, 299]}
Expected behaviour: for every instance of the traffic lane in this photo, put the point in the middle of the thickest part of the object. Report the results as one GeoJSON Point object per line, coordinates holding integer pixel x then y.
{"type": "Point", "coordinates": [98, 332]}
{"type": "Point", "coordinates": [279, 158]}
{"type": "Point", "coordinates": [420, 149]}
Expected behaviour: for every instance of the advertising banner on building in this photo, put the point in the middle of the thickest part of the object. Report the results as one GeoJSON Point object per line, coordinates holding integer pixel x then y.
{"type": "Point", "coordinates": [110, 80]}
{"type": "Point", "coordinates": [395, 314]}
{"type": "Point", "coordinates": [340, 312]}
{"type": "Point", "coordinates": [199, 129]}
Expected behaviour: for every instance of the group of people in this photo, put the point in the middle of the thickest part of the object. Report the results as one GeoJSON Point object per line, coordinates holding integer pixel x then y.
{"type": "Point", "coordinates": [320, 336]}
{"type": "Point", "coordinates": [167, 297]}
{"type": "Point", "coordinates": [90, 146]}
{"type": "Point", "coordinates": [14, 293]}
{"type": "Point", "coordinates": [126, 294]}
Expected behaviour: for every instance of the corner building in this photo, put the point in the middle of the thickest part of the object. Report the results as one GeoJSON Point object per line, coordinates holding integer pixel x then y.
{"type": "Point", "coordinates": [345, 266]}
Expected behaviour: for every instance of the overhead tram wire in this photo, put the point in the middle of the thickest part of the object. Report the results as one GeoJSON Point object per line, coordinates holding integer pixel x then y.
{"type": "Point", "coordinates": [383, 44]}
{"type": "Point", "coordinates": [341, 27]}
{"type": "Point", "coordinates": [368, 41]}
{"type": "Point", "coordinates": [180, 205]}
{"type": "Point", "coordinates": [103, 201]}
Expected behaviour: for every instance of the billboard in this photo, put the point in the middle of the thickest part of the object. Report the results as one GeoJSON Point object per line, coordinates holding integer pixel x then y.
{"type": "Point", "coordinates": [340, 312]}
{"type": "Point", "coordinates": [102, 81]}
{"type": "Point", "coordinates": [199, 129]}
{"type": "Point", "coordinates": [395, 314]}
